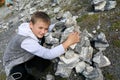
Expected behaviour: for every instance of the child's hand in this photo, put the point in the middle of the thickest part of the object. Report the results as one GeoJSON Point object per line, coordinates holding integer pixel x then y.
{"type": "Point", "coordinates": [72, 39]}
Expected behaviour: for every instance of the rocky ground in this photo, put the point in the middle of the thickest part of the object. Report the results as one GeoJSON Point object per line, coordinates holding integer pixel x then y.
{"type": "Point", "coordinates": [95, 22]}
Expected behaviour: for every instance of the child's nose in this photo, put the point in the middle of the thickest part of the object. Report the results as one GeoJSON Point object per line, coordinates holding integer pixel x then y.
{"type": "Point", "coordinates": [43, 31]}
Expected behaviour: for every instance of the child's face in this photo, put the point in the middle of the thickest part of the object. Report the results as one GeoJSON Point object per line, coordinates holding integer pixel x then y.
{"type": "Point", "coordinates": [39, 28]}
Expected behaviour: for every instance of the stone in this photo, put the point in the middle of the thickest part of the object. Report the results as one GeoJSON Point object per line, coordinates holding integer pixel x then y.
{"type": "Point", "coordinates": [86, 33]}
{"type": "Point", "coordinates": [50, 40]}
{"type": "Point", "coordinates": [111, 5]}
{"type": "Point", "coordinates": [101, 60]}
{"type": "Point", "coordinates": [56, 1]}
{"type": "Point", "coordinates": [50, 77]}
{"type": "Point", "coordinates": [98, 26]}
{"type": "Point", "coordinates": [100, 76]}
{"type": "Point", "coordinates": [78, 47]}
{"type": "Point", "coordinates": [89, 69]}
{"type": "Point", "coordinates": [53, 4]}
{"type": "Point", "coordinates": [91, 72]}
{"type": "Point", "coordinates": [67, 15]}
{"type": "Point", "coordinates": [101, 46]}
{"type": "Point", "coordinates": [100, 42]}
{"type": "Point", "coordinates": [62, 70]}
{"type": "Point", "coordinates": [100, 6]}
{"type": "Point", "coordinates": [80, 67]}
{"type": "Point", "coordinates": [32, 10]}
{"type": "Point", "coordinates": [71, 21]}
{"type": "Point", "coordinates": [97, 1]}
{"type": "Point", "coordinates": [86, 54]}
{"type": "Point", "coordinates": [59, 26]}
{"type": "Point", "coordinates": [5, 27]}
{"type": "Point", "coordinates": [87, 42]}
{"type": "Point", "coordinates": [102, 37]}
{"type": "Point", "coordinates": [69, 54]}
{"type": "Point", "coordinates": [67, 60]}
{"type": "Point", "coordinates": [56, 10]}
{"type": "Point", "coordinates": [66, 33]}
{"type": "Point", "coordinates": [84, 41]}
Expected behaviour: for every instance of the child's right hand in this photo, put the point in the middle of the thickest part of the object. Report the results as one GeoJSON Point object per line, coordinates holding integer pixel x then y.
{"type": "Point", "coordinates": [73, 38]}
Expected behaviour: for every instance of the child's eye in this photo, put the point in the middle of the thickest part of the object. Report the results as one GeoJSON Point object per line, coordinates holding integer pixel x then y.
{"type": "Point", "coordinates": [40, 28]}
{"type": "Point", "coordinates": [46, 28]}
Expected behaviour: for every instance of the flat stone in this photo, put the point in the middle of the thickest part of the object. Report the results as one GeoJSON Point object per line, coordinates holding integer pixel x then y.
{"type": "Point", "coordinates": [62, 70]}
{"type": "Point", "coordinates": [56, 10]}
{"type": "Point", "coordinates": [50, 40]}
{"type": "Point", "coordinates": [111, 5]}
{"type": "Point", "coordinates": [91, 72]}
{"type": "Point", "coordinates": [86, 54]}
{"type": "Point", "coordinates": [70, 60]}
{"type": "Point", "coordinates": [50, 77]}
{"type": "Point", "coordinates": [101, 60]}
{"type": "Point", "coordinates": [80, 67]}
{"type": "Point", "coordinates": [100, 6]}
{"type": "Point", "coordinates": [97, 1]}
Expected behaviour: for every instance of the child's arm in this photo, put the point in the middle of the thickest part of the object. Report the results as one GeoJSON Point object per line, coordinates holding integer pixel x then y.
{"type": "Point", "coordinates": [34, 48]}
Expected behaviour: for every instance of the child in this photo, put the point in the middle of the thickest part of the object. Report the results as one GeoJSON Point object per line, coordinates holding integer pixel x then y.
{"type": "Point", "coordinates": [24, 51]}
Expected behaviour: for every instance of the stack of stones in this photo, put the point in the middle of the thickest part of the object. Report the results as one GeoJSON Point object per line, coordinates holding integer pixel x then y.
{"type": "Point", "coordinates": [86, 57]}
{"type": "Point", "coordinates": [101, 5]}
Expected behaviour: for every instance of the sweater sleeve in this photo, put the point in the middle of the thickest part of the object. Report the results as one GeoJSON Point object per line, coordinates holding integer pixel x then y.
{"type": "Point", "coordinates": [34, 48]}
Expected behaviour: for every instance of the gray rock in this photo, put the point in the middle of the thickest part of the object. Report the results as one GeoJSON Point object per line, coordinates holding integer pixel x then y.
{"type": "Point", "coordinates": [80, 67]}
{"type": "Point", "coordinates": [68, 59]}
{"type": "Point", "coordinates": [66, 33]}
{"type": "Point", "coordinates": [101, 5]}
{"type": "Point", "coordinates": [101, 60]}
{"type": "Point", "coordinates": [84, 41]}
{"type": "Point", "coordinates": [100, 77]}
{"type": "Point", "coordinates": [50, 40]}
{"type": "Point", "coordinates": [32, 10]}
{"type": "Point", "coordinates": [101, 46]}
{"type": "Point", "coordinates": [78, 48]}
{"type": "Point", "coordinates": [56, 10]}
{"type": "Point", "coordinates": [67, 15]}
{"type": "Point", "coordinates": [101, 42]}
{"type": "Point", "coordinates": [91, 72]}
{"type": "Point", "coordinates": [62, 70]}
{"type": "Point", "coordinates": [86, 54]}
{"type": "Point", "coordinates": [59, 26]}
{"type": "Point", "coordinates": [111, 5]}
{"type": "Point", "coordinates": [97, 1]}
{"type": "Point", "coordinates": [50, 77]}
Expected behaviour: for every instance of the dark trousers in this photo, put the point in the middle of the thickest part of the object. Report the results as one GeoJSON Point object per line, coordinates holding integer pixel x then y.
{"type": "Point", "coordinates": [30, 70]}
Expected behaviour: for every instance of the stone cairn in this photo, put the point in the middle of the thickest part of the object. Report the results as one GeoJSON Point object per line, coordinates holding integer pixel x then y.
{"type": "Point", "coordinates": [101, 5]}
{"type": "Point", "coordinates": [80, 56]}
